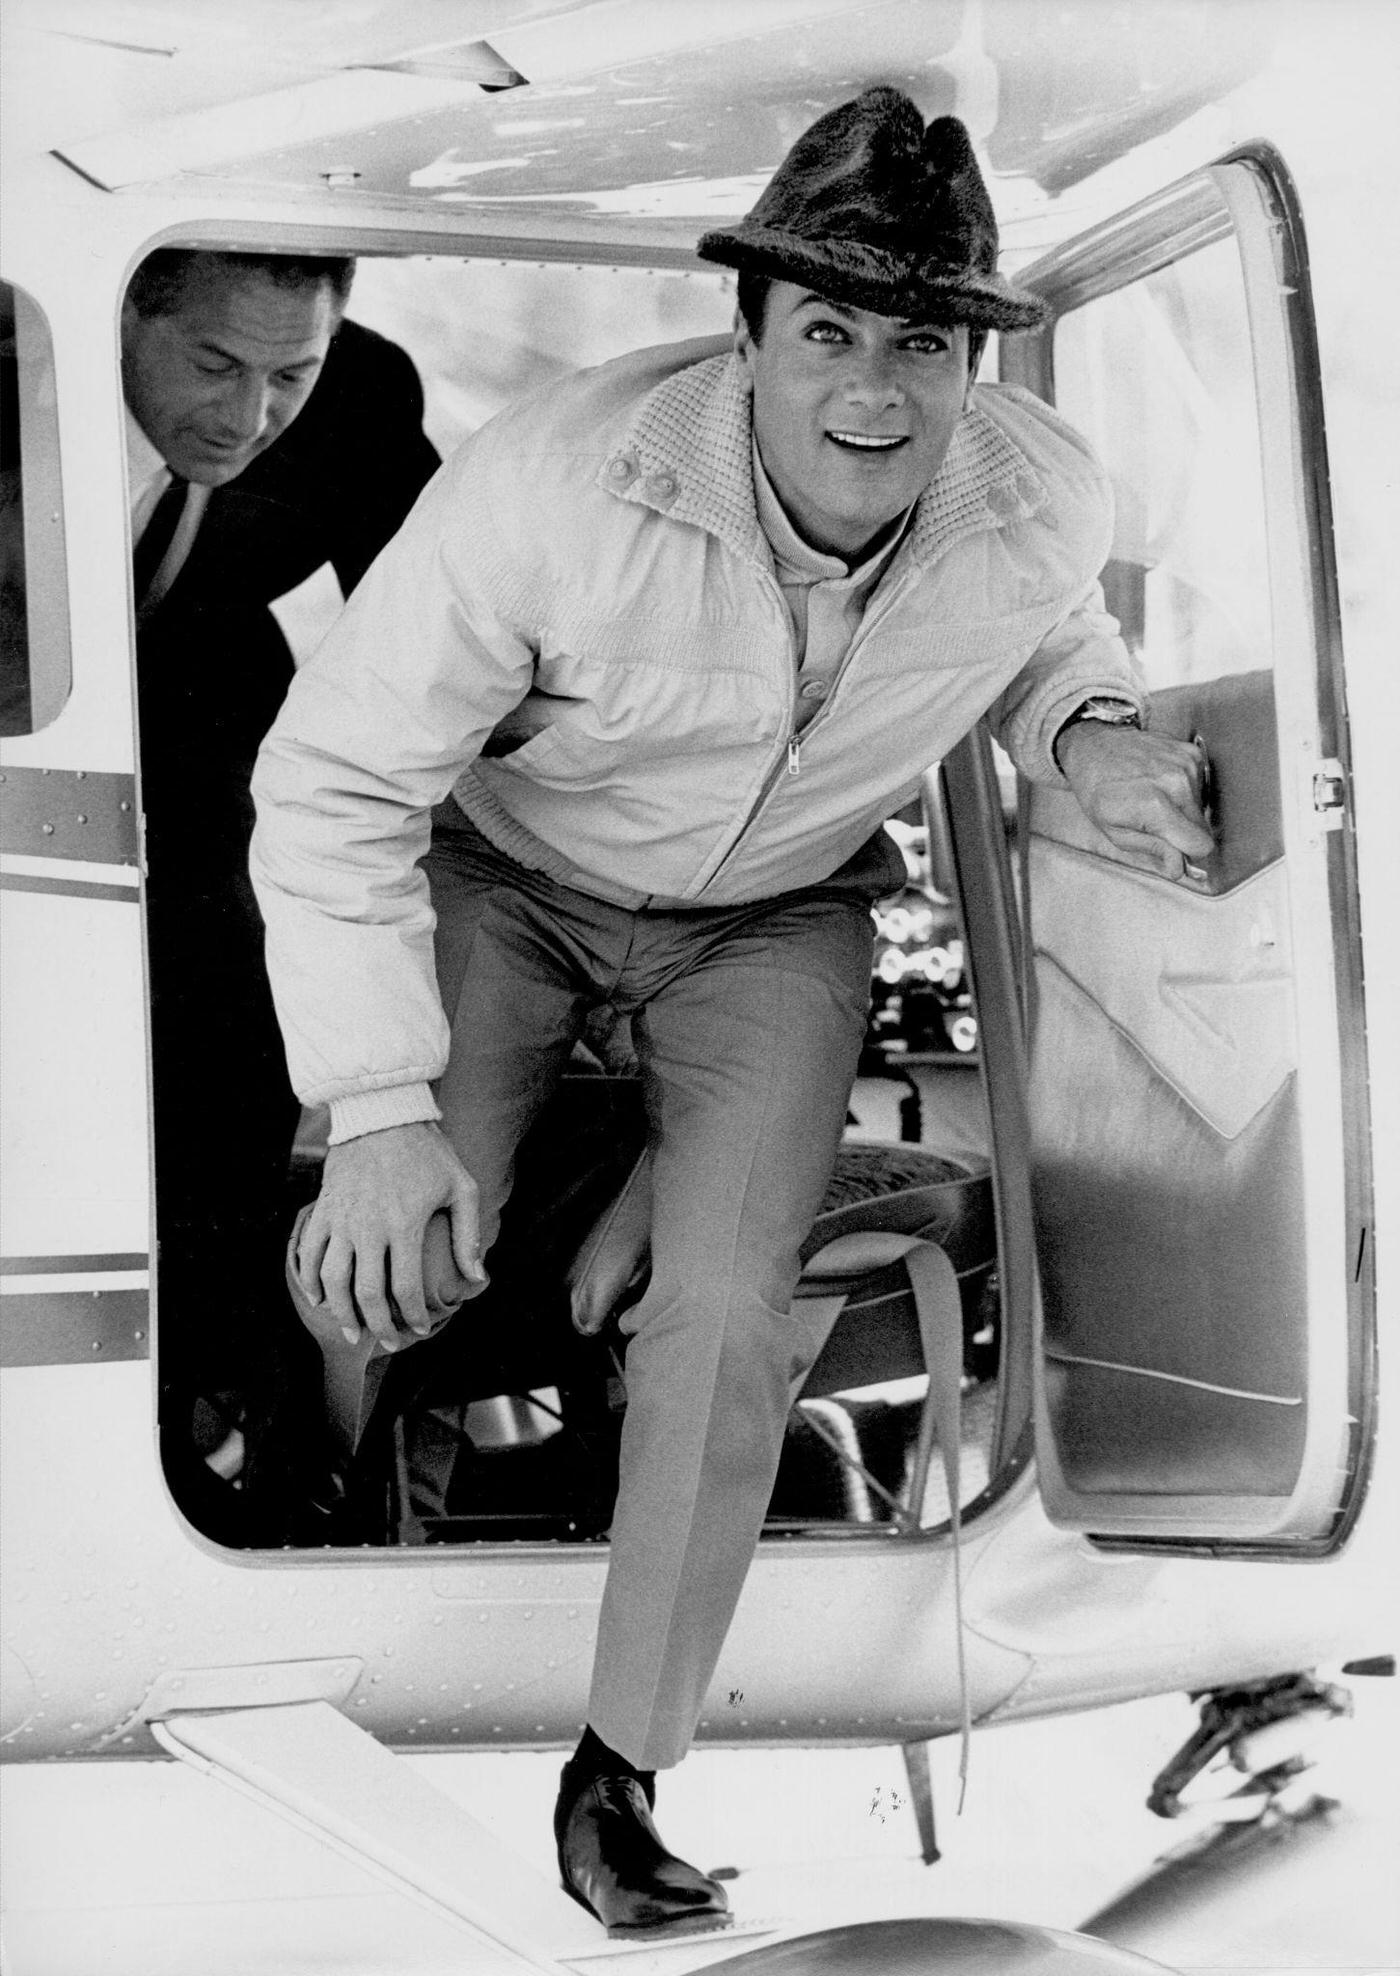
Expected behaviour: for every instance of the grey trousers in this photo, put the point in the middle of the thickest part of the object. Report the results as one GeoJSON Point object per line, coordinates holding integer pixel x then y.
{"type": "Point", "coordinates": [748, 1024]}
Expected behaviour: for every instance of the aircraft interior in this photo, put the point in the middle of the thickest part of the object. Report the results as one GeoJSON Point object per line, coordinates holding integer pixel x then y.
{"type": "Point", "coordinates": [504, 1427]}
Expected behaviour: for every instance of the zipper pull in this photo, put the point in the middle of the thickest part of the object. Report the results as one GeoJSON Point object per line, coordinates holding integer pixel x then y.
{"type": "Point", "coordinates": [794, 755]}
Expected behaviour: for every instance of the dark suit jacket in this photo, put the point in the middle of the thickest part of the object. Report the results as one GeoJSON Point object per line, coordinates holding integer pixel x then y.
{"type": "Point", "coordinates": [213, 664]}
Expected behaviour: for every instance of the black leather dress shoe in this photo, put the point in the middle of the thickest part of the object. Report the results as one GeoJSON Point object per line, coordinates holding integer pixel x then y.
{"type": "Point", "coordinates": [612, 1861]}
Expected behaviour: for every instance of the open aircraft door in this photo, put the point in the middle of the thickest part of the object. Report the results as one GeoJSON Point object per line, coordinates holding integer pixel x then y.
{"type": "Point", "coordinates": [1197, 1088]}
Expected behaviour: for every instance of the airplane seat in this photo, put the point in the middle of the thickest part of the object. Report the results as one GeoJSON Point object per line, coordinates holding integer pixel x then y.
{"type": "Point", "coordinates": [461, 1434]}
{"type": "Point", "coordinates": [866, 1273]}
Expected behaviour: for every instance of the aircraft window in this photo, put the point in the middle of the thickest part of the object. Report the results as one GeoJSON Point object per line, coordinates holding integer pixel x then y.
{"type": "Point", "coordinates": [1159, 375]}
{"type": "Point", "coordinates": [35, 665]}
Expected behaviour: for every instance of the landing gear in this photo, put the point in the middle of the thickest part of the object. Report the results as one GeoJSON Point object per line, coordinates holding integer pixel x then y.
{"type": "Point", "coordinates": [1247, 1850]}
{"type": "Point", "coordinates": [1265, 1729]}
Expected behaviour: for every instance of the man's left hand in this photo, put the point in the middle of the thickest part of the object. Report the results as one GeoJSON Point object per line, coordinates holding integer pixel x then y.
{"type": "Point", "coordinates": [1143, 791]}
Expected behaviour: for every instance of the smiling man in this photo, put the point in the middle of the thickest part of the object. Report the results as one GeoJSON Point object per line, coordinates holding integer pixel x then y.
{"type": "Point", "coordinates": [853, 412]}
{"type": "Point", "coordinates": [665, 646]}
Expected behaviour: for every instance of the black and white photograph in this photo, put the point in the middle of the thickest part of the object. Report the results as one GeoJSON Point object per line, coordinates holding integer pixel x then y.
{"type": "Point", "coordinates": [699, 987]}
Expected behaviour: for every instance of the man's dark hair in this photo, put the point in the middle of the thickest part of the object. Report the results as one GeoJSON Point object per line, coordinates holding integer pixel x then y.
{"type": "Point", "coordinates": [159, 285]}
{"type": "Point", "coordinates": [752, 297]}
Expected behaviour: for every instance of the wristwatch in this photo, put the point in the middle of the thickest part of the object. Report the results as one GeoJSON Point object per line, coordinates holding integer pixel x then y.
{"type": "Point", "coordinates": [1110, 712]}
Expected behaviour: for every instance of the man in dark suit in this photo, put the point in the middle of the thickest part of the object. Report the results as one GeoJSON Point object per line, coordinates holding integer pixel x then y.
{"type": "Point", "coordinates": [270, 442]}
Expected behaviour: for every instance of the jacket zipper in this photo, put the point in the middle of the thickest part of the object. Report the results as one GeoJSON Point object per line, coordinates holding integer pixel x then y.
{"type": "Point", "coordinates": [793, 751]}
{"type": "Point", "coordinates": [793, 762]}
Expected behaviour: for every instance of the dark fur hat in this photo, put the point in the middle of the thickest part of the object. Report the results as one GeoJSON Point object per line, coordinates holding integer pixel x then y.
{"type": "Point", "coordinates": [874, 211]}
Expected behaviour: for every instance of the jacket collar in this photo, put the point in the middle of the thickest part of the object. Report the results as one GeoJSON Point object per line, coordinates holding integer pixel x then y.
{"type": "Point", "coordinates": [687, 454]}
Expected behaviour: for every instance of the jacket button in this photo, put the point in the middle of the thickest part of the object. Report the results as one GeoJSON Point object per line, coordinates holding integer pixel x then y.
{"type": "Point", "coordinates": [1002, 502]}
{"type": "Point", "coordinates": [620, 469]}
{"type": "Point", "coordinates": [814, 689]}
{"type": "Point", "coordinates": [661, 486]}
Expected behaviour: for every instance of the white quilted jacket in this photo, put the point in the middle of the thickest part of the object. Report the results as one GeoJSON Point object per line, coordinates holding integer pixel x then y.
{"type": "Point", "coordinates": [578, 631]}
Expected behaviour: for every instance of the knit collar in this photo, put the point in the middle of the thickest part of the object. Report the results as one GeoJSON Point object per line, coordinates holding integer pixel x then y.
{"type": "Point", "coordinates": [687, 453]}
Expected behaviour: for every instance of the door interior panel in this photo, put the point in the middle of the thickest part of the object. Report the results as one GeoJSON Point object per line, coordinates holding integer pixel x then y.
{"type": "Point", "coordinates": [1171, 1441]}
{"type": "Point", "coordinates": [1214, 1011]}
{"type": "Point", "coordinates": [1167, 1174]}
{"type": "Point", "coordinates": [1169, 1365]}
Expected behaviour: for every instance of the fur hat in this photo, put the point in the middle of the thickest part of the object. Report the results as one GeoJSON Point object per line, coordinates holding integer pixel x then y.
{"type": "Point", "coordinates": [873, 210]}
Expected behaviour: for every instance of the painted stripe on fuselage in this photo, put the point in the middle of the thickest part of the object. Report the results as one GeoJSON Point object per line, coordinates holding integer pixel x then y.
{"type": "Point", "coordinates": [89, 814]}
{"type": "Point", "coordinates": [74, 1327]}
{"type": "Point", "coordinates": [71, 888]}
{"type": "Point", "coordinates": [69, 870]}
{"type": "Point", "coordinates": [74, 1265]}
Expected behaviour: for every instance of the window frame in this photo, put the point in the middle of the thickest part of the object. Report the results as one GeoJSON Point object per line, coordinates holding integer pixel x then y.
{"type": "Point", "coordinates": [47, 629]}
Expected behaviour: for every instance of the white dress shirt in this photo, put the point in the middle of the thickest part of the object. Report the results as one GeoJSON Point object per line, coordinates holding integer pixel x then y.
{"type": "Point", "coordinates": [147, 477]}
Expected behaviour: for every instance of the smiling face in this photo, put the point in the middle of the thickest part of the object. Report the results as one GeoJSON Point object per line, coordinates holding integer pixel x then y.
{"type": "Point", "coordinates": [216, 380]}
{"type": "Point", "coordinates": [852, 412]}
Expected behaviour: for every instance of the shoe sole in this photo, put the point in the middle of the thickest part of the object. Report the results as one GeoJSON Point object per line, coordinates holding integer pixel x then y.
{"type": "Point", "coordinates": [683, 1924]}
{"type": "Point", "coordinates": [670, 1931]}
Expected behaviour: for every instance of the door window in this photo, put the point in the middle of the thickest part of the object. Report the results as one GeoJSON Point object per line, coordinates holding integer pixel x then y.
{"type": "Point", "coordinates": [1160, 376]}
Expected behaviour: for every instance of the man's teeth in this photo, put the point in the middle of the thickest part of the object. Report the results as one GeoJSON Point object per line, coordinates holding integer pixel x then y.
{"type": "Point", "coordinates": [867, 441]}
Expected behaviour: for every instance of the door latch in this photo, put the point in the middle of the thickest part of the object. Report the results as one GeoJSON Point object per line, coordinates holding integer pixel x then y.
{"type": "Point", "coordinates": [1329, 793]}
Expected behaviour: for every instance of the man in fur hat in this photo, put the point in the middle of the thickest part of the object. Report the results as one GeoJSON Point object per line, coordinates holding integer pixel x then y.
{"type": "Point", "coordinates": [656, 655]}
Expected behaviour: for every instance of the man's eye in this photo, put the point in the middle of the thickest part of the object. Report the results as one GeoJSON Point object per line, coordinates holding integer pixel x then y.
{"type": "Point", "coordinates": [927, 343]}
{"type": "Point", "coordinates": [825, 332]}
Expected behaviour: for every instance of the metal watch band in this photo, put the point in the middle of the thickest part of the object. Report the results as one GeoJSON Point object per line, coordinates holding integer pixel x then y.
{"type": "Point", "coordinates": [1108, 712]}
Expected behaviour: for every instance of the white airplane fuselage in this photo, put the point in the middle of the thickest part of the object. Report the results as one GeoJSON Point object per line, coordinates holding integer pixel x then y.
{"type": "Point", "coordinates": [116, 1611]}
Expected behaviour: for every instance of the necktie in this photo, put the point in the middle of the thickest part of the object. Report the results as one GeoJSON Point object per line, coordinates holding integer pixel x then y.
{"type": "Point", "coordinates": [158, 534]}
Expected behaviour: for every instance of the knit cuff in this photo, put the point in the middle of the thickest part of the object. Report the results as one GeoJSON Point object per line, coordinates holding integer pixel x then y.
{"type": "Point", "coordinates": [375, 1111]}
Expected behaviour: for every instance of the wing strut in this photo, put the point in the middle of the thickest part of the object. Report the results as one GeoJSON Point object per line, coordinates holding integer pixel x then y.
{"type": "Point", "coordinates": [307, 1762]}
{"type": "Point", "coordinates": [304, 1760]}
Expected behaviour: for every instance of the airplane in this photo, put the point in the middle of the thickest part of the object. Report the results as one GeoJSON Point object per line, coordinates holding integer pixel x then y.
{"type": "Point", "coordinates": [1141, 1455]}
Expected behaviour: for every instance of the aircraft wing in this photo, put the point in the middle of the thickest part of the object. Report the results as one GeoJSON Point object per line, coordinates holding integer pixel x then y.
{"type": "Point", "coordinates": [149, 1869]}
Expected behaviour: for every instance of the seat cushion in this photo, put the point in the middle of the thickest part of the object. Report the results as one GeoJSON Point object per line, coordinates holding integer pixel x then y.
{"type": "Point", "coordinates": [905, 1190]}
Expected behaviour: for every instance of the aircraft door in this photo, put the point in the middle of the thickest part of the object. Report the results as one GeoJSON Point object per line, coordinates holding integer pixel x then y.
{"type": "Point", "coordinates": [1197, 1084]}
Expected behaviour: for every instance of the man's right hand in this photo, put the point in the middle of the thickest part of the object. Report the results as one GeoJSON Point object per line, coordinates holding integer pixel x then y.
{"type": "Point", "coordinates": [364, 1236]}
